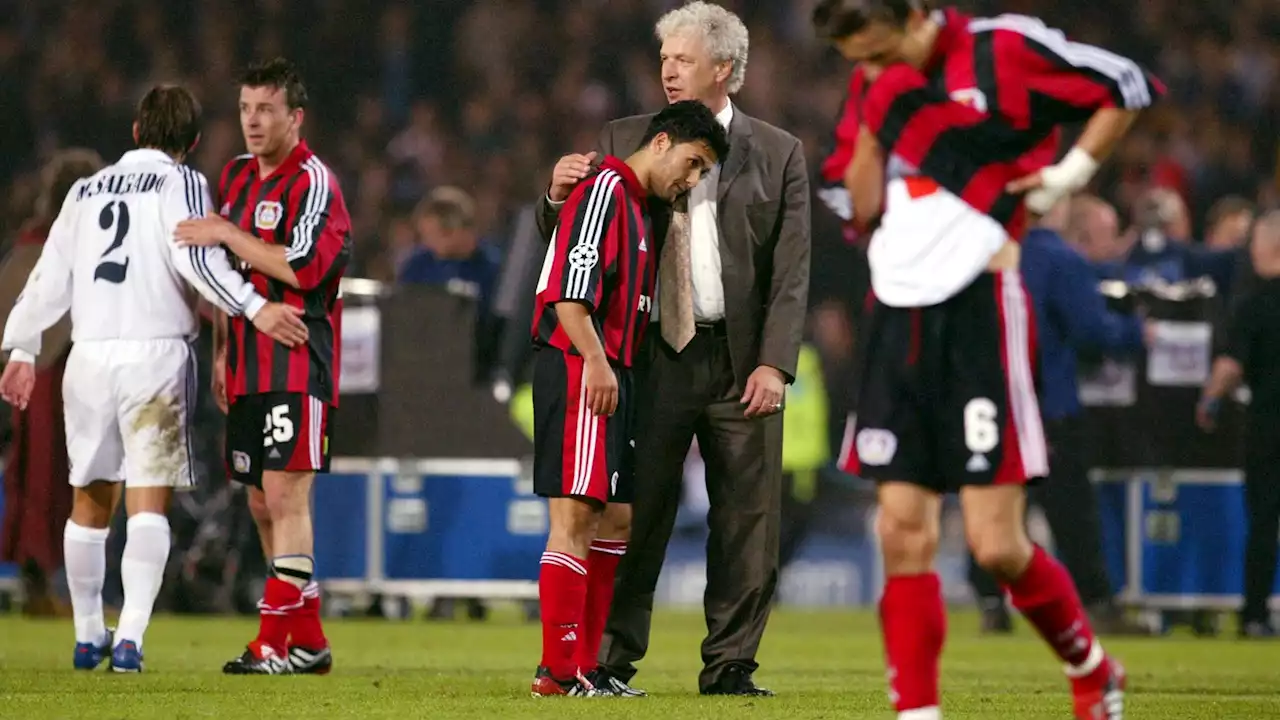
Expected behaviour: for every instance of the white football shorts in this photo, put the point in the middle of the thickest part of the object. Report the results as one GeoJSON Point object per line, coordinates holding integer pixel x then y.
{"type": "Point", "coordinates": [127, 405]}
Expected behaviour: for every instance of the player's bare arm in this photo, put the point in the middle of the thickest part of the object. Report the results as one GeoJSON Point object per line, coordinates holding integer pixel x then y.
{"type": "Point", "coordinates": [215, 230]}
{"type": "Point", "coordinates": [864, 179]}
{"type": "Point", "coordinates": [1100, 136]}
{"type": "Point", "coordinates": [218, 381]}
{"type": "Point", "coordinates": [602, 385]}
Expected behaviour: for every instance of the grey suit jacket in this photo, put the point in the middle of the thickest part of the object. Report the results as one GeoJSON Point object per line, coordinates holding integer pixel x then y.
{"type": "Point", "coordinates": [763, 214]}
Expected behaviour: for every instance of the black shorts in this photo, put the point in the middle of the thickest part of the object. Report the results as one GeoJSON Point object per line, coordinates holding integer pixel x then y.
{"type": "Point", "coordinates": [575, 453]}
{"type": "Point", "coordinates": [276, 431]}
{"type": "Point", "coordinates": [947, 393]}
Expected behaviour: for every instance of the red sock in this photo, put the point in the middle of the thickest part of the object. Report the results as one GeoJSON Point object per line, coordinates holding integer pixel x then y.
{"type": "Point", "coordinates": [1047, 598]}
{"type": "Point", "coordinates": [914, 622]}
{"type": "Point", "coordinates": [602, 567]}
{"type": "Point", "coordinates": [305, 629]}
{"type": "Point", "coordinates": [280, 601]}
{"type": "Point", "coordinates": [562, 594]}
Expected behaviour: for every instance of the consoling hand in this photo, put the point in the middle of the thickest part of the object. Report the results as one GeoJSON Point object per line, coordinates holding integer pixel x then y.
{"type": "Point", "coordinates": [567, 173]}
{"type": "Point", "coordinates": [207, 231]}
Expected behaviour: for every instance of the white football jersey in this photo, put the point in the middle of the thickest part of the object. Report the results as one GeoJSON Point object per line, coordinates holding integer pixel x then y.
{"type": "Point", "coordinates": [111, 258]}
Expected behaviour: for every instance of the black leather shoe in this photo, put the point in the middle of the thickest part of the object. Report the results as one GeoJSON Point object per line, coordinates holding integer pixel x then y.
{"type": "Point", "coordinates": [611, 684]}
{"type": "Point", "coordinates": [736, 680]}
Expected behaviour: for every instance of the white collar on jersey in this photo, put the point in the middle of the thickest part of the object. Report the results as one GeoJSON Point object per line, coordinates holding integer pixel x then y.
{"type": "Point", "coordinates": [145, 155]}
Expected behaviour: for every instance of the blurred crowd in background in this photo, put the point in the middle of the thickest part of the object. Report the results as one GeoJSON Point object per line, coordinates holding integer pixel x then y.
{"type": "Point", "coordinates": [485, 95]}
{"type": "Point", "coordinates": [443, 118]}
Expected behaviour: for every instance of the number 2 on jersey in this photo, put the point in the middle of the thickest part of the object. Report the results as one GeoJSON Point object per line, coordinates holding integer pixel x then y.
{"type": "Point", "coordinates": [114, 215]}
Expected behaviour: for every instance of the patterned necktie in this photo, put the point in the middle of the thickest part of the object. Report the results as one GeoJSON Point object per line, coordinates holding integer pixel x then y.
{"type": "Point", "coordinates": [675, 283]}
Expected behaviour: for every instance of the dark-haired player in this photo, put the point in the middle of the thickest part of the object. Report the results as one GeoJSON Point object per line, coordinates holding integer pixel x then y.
{"type": "Point", "coordinates": [593, 303]}
{"type": "Point", "coordinates": [110, 259]}
{"type": "Point", "coordinates": [962, 117]}
{"type": "Point", "coordinates": [283, 216]}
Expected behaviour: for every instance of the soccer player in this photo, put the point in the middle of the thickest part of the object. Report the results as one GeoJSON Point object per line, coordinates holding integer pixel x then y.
{"type": "Point", "coordinates": [111, 260]}
{"type": "Point", "coordinates": [947, 400]}
{"type": "Point", "coordinates": [284, 217]}
{"type": "Point", "coordinates": [594, 299]}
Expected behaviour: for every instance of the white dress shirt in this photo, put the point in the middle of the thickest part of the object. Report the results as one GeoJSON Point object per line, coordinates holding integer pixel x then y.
{"type": "Point", "coordinates": [704, 241]}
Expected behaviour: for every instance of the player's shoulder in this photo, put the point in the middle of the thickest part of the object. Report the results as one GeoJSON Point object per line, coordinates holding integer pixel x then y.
{"type": "Point", "coordinates": [1026, 26]}
{"type": "Point", "coordinates": [234, 167]}
{"type": "Point", "coordinates": [602, 182]}
{"type": "Point", "coordinates": [314, 175]}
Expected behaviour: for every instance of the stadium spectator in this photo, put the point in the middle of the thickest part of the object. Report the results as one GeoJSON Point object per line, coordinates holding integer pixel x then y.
{"type": "Point", "coordinates": [449, 253]}
{"type": "Point", "coordinates": [1252, 356]}
{"type": "Point", "coordinates": [1161, 249]}
{"type": "Point", "coordinates": [37, 496]}
{"type": "Point", "coordinates": [1228, 223]}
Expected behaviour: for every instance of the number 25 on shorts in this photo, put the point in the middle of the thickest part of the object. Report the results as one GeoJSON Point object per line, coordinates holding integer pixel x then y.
{"type": "Point", "coordinates": [279, 427]}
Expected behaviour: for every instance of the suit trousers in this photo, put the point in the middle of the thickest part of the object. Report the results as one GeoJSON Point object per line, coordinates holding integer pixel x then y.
{"type": "Point", "coordinates": [682, 396]}
{"type": "Point", "coordinates": [1070, 506]}
{"type": "Point", "coordinates": [1262, 505]}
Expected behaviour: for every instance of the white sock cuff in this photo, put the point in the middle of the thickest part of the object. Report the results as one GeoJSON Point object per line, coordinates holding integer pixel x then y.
{"type": "Point", "coordinates": [148, 520]}
{"type": "Point", "coordinates": [1091, 663]}
{"type": "Point", "coordinates": [926, 713]}
{"type": "Point", "coordinates": [80, 533]}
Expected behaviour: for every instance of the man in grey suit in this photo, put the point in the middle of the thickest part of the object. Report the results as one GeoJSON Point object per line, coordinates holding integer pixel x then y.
{"type": "Point", "coordinates": [732, 292]}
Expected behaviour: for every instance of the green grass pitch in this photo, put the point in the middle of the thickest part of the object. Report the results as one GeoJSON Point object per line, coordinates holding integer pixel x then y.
{"type": "Point", "coordinates": [822, 665]}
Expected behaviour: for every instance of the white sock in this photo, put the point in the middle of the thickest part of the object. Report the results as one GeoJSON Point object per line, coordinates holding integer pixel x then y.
{"type": "Point", "coordinates": [141, 572]}
{"type": "Point", "coordinates": [85, 551]}
{"type": "Point", "coordinates": [929, 713]}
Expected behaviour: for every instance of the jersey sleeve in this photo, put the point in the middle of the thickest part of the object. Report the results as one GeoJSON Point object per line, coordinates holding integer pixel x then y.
{"type": "Point", "coordinates": [586, 238]}
{"type": "Point", "coordinates": [1076, 79]}
{"type": "Point", "coordinates": [318, 239]}
{"type": "Point", "coordinates": [207, 269]}
{"type": "Point", "coordinates": [46, 297]}
{"type": "Point", "coordinates": [844, 142]}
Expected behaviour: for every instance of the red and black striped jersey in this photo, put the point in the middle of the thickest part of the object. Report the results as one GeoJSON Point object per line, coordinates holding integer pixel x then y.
{"type": "Point", "coordinates": [599, 256]}
{"type": "Point", "coordinates": [1024, 79]}
{"type": "Point", "coordinates": [298, 206]}
{"type": "Point", "coordinates": [841, 147]}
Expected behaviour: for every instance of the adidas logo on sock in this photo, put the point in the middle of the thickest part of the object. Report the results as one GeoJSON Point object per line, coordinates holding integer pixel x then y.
{"type": "Point", "coordinates": [570, 636]}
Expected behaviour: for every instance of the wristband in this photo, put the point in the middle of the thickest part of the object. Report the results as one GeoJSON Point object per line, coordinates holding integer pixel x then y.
{"type": "Point", "coordinates": [18, 355]}
{"type": "Point", "coordinates": [1073, 172]}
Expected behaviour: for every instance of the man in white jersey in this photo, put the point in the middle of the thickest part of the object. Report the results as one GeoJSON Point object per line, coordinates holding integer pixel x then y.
{"type": "Point", "coordinates": [111, 259]}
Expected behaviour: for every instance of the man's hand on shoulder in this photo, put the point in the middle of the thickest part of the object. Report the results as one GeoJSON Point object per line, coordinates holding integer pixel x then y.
{"type": "Point", "coordinates": [764, 392]}
{"type": "Point", "coordinates": [568, 172]}
{"type": "Point", "coordinates": [207, 231]}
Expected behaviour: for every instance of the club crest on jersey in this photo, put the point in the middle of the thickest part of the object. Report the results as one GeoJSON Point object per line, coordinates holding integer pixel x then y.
{"type": "Point", "coordinates": [267, 215]}
{"type": "Point", "coordinates": [240, 461]}
{"type": "Point", "coordinates": [973, 97]}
